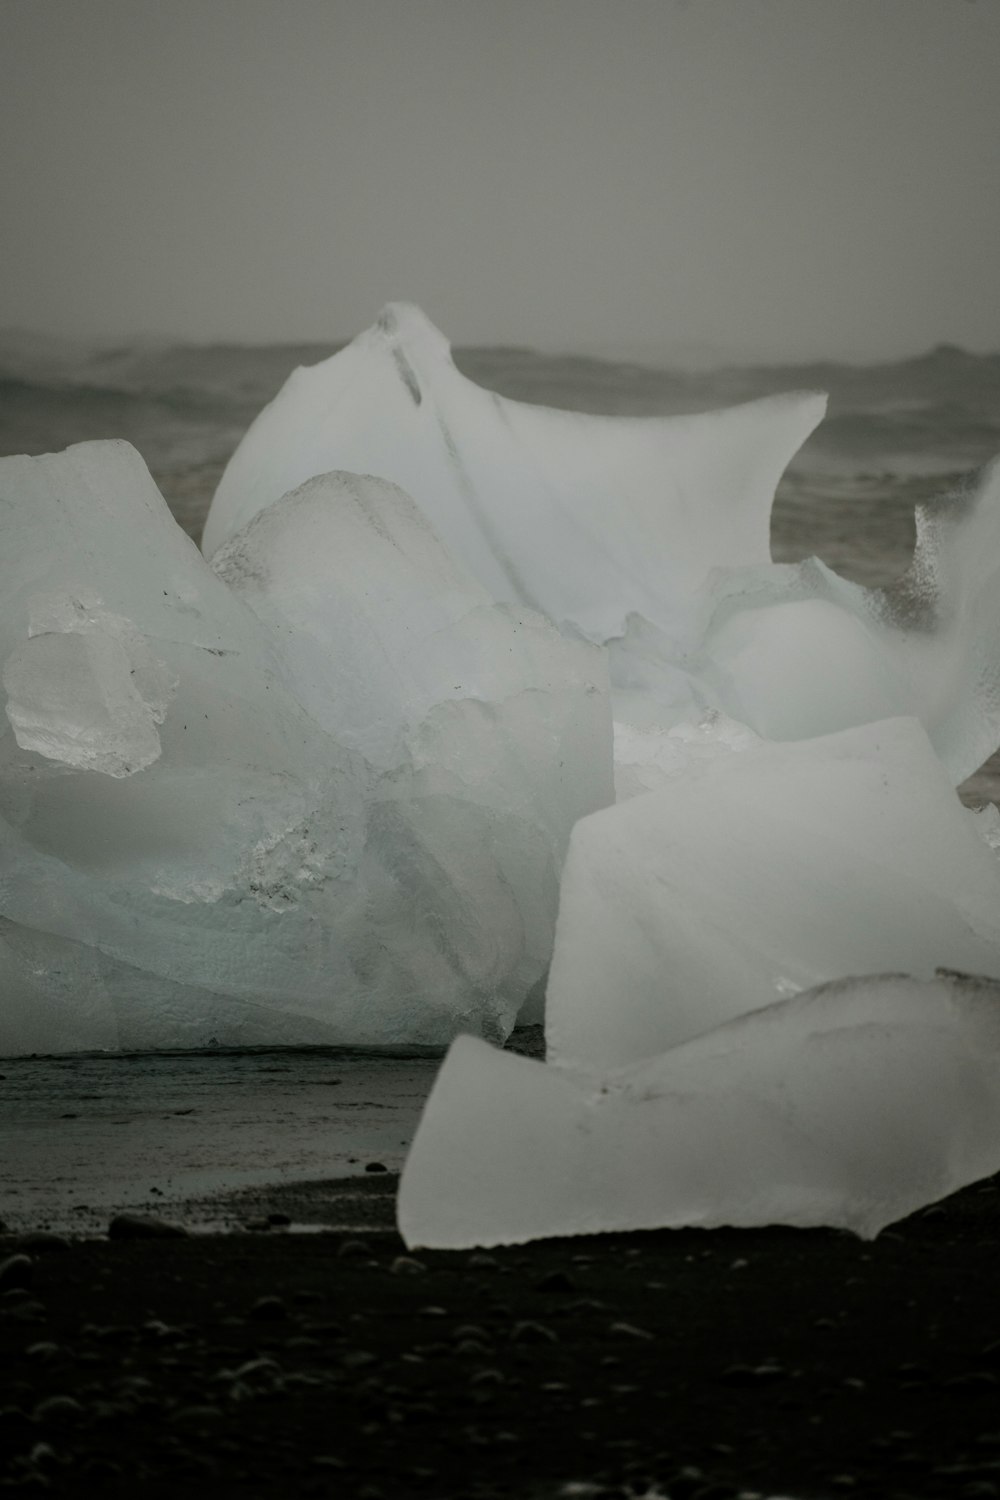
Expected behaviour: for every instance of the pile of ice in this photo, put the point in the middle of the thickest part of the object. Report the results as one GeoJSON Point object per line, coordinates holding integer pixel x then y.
{"type": "Point", "coordinates": [319, 794]}
{"type": "Point", "coordinates": [321, 787]}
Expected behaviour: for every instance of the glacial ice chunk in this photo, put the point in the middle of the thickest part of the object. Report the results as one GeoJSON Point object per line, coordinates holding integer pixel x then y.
{"type": "Point", "coordinates": [495, 728]}
{"type": "Point", "coordinates": [793, 651]}
{"type": "Point", "coordinates": [190, 823]}
{"type": "Point", "coordinates": [850, 1105]}
{"type": "Point", "coordinates": [587, 519]}
{"type": "Point", "coordinates": [767, 872]}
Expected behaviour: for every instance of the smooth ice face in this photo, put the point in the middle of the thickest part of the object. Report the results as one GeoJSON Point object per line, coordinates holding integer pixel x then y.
{"type": "Point", "coordinates": [186, 834]}
{"type": "Point", "coordinates": [767, 872]}
{"type": "Point", "coordinates": [586, 519]}
{"type": "Point", "coordinates": [851, 1106]}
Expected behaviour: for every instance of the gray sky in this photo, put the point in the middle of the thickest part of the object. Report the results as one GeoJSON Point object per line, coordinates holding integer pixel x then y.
{"type": "Point", "coordinates": [766, 177]}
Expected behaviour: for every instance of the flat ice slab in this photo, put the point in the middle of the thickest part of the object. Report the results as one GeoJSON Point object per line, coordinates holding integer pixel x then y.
{"type": "Point", "coordinates": [761, 872]}
{"type": "Point", "coordinates": [849, 1106]}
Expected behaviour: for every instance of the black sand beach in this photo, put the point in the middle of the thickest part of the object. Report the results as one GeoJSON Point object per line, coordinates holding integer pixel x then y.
{"type": "Point", "coordinates": [672, 1364]}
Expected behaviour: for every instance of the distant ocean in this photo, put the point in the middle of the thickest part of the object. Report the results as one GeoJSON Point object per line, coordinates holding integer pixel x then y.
{"type": "Point", "coordinates": [894, 434]}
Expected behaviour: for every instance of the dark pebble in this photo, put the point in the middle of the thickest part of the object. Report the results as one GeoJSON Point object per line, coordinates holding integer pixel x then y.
{"type": "Point", "coordinates": [144, 1227]}
{"type": "Point", "coordinates": [751, 1374]}
{"type": "Point", "coordinates": [354, 1248]}
{"type": "Point", "coordinates": [58, 1411]}
{"type": "Point", "coordinates": [43, 1352]}
{"type": "Point", "coordinates": [196, 1418]}
{"type": "Point", "coordinates": [279, 1221]}
{"type": "Point", "coordinates": [529, 1332]}
{"type": "Point", "coordinates": [556, 1281]}
{"type": "Point", "coordinates": [26, 1311]}
{"type": "Point", "coordinates": [630, 1331]}
{"type": "Point", "coordinates": [406, 1265]}
{"type": "Point", "coordinates": [376, 1166]}
{"type": "Point", "coordinates": [685, 1484]}
{"type": "Point", "coordinates": [16, 1272]}
{"type": "Point", "coordinates": [42, 1242]}
{"type": "Point", "coordinates": [269, 1310]}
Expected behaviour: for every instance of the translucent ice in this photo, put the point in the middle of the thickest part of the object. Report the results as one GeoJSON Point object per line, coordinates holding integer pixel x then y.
{"type": "Point", "coordinates": [796, 651]}
{"type": "Point", "coordinates": [850, 1105]}
{"type": "Point", "coordinates": [767, 871]}
{"type": "Point", "coordinates": [652, 535]}
{"type": "Point", "coordinates": [199, 827]}
{"type": "Point", "coordinates": [588, 519]}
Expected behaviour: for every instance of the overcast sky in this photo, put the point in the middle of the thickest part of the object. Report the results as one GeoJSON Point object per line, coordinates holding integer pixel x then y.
{"type": "Point", "coordinates": [765, 177]}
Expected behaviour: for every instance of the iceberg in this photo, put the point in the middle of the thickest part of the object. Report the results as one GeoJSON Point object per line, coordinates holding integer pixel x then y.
{"type": "Point", "coordinates": [850, 1106]}
{"type": "Point", "coordinates": [228, 815]}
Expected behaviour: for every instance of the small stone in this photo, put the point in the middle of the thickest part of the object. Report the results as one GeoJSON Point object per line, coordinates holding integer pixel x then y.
{"type": "Point", "coordinates": [685, 1484]}
{"type": "Point", "coordinates": [269, 1309]}
{"type": "Point", "coordinates": [406, 1265]}
{"type": "Point", "coordinates": [353, 1248]}
{"type": "Point", "coordinates": [630, 1331]}
{"type": "Point", "coordinates": [529, 1332]}
{"type": "Point", "coordinates": [42, 1352]}
{"type": "Point", "coordinates": [479, 1260]}
{"type": "Point", "coordinates": [197, 1418]}
{"type": "Point", "coordinates": [26, 1311]}
{"type": "Point", "coordinates": [42, 1242]}
{"type": "Point", "coordinates": [358, 1359]}
{"type": "Point", "coordinates": [471, 1331]}
{"type": "Point", "coordinates": [751, 1374]}
{"type": "Point", "coordinates": [16, 1272]}
{"type": "Point", "coordinates": [144, 1227]}
{"type": "Point", "coordinates": [556, 1281]}
{"type": "Point", "coordinates": [376, 1166]}
{"type": "Point", "coordinates": [279, 1220]}
{"type": "Point", "coordinates": [58, 1411]}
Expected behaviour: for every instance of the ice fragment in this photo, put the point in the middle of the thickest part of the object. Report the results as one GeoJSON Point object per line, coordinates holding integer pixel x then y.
{"type": "Point", "coordinates": [850, 1105]}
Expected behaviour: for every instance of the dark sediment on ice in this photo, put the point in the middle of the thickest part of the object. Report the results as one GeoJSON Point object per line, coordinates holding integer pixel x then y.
{"type": "Point", "coordinates": [689, 1363]}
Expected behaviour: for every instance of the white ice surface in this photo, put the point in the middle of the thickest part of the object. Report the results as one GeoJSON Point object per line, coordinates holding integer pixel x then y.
{"type": "Point", "coordinates": [588, 519]}
{"type": "Point", "coordinates": [851, 1106]}
{"type": "Point", "coordinates": [795, 651]}
{"type": "Point", "coordinates": [765, 872]}
{"type": "Point", "coordinates": [652, 535]}
{"type": "Point", "coordinates": [190, 850]}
